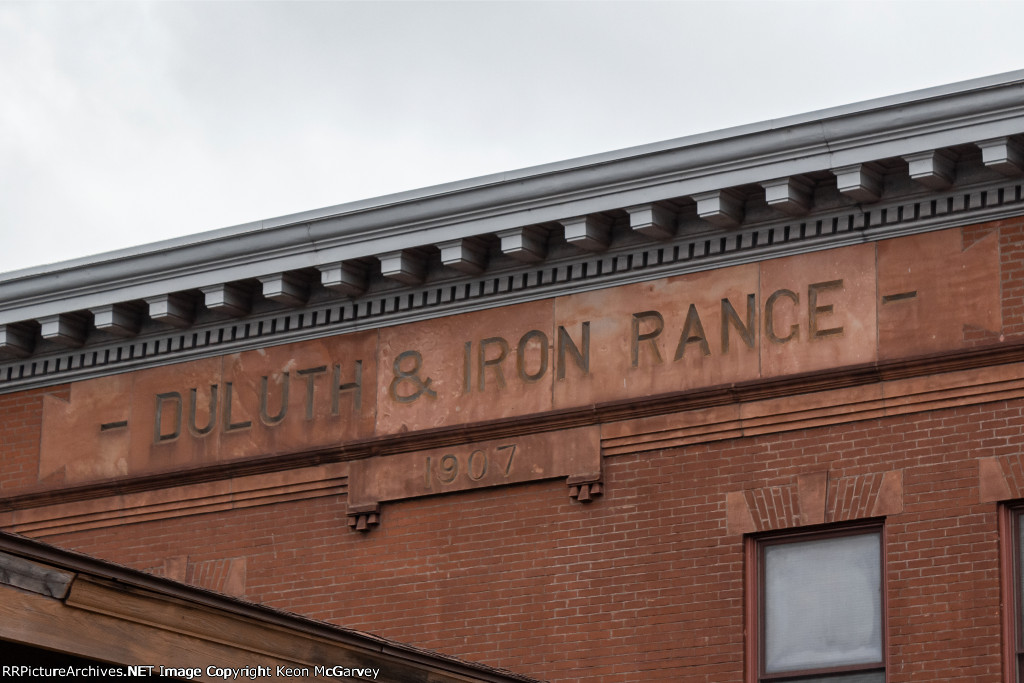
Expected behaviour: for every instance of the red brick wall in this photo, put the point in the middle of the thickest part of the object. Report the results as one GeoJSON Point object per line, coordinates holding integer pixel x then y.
{"type": "Point", "coordinates": [1011, 251]}
{"type": "Point", "coordinates": [21, 420]}
{"type": "Point", "coordinates": [645, 582]}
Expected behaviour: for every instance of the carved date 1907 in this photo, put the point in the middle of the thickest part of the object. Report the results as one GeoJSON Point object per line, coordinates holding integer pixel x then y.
{"type": "Point", "coordinates": [474, 466]}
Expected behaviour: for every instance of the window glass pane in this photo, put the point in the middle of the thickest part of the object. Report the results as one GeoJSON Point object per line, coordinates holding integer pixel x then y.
{"type": "Point", "coordinates": [872, 677]}
{"type": "Point", "coordinates": [823, 603]}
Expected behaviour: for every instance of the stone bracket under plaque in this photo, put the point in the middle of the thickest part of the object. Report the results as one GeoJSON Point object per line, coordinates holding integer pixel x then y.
{"type": "Point", "coordinates": [571, 453]}
{"type": "Point", "coordinates": [584, 488]}
{"type": "Point", "coordinates": [363, 517]}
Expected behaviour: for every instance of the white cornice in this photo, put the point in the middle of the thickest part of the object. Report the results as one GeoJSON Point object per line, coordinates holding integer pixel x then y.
{"type": "Point", "coordinates": [671, 172]}
{"type": "Point", "coordinates": [175, 332]}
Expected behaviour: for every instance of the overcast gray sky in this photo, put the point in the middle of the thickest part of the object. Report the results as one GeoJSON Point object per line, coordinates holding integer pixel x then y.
{"type": "Point", "coordinates": [123, 123]}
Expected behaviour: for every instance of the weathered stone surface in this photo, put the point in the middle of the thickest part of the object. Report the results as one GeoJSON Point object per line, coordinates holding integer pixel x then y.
{"type": "Point", "coordinates": [528, 457]}
{"type": "Point", "coordinates": [468, 368]}
{"type": "Point", "coordinates": [663, 336]}
{"type": "Point", "coordinates": [819, 311]}
{"type": "Point", "coordinates": [808, 313]}
{"type": "Point", "coordinates": [216, 409]}
{"type": "Point", "coordinates": [930, 288]}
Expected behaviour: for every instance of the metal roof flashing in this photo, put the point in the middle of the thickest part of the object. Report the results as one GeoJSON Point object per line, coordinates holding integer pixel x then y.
{"type": "Point", "coordinates": [886, 104]}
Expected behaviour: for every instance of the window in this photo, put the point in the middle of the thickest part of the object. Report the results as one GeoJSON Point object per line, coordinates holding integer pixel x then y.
{"type": "Point", "coordinates": [1012, 531]}
{"type": "Point", "coordinates": [819, 607]}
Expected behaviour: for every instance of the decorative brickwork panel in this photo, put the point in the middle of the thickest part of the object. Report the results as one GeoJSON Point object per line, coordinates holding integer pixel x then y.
{"type": "Point", "coordinates": [776, 507]}
{"type": "Point", "coordinates": [815, 498]}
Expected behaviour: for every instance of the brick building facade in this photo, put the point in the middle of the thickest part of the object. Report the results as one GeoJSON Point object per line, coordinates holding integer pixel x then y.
{"type": "Point", "coordinates": [737, 407]}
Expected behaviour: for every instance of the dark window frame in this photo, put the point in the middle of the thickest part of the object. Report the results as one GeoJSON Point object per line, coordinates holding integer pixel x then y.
{"type": "Point", "coordinates": [1011, 521]}
{"type": "Point", "coordinates": [756, 594]}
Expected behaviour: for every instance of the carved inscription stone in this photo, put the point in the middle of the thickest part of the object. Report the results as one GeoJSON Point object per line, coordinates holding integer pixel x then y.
{"type": "Point", "coordinates": [530, 457]}
{"type": "Point", "coordinates": [805, 313]}
{"type": "Point", "coordinates": [657, 337]}
{"type": "Point", "coordinates": [79, 440]}
{"type": "Point", "coordinates": [819, 311]}
{"type": "Point", "coordinates": [932, 288]}
{"type": "Point", "coordinates": [273, 400]}
{"type": "Point", "coordinates": [466, 368]}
